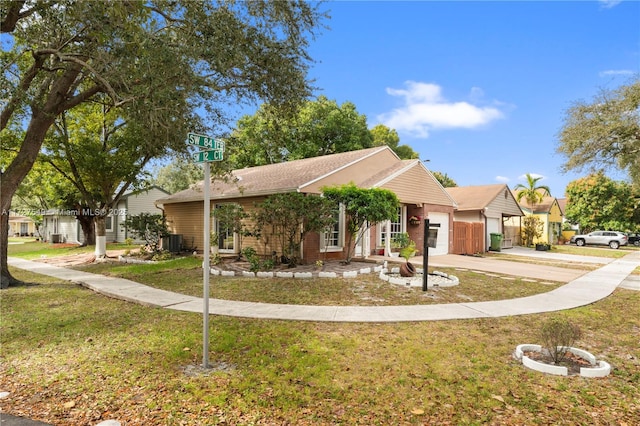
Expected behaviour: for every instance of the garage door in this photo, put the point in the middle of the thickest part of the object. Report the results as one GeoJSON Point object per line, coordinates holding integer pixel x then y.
{"type": "Point", "coordinates": [440, 221]}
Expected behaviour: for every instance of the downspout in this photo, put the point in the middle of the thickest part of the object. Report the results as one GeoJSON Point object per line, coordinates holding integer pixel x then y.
{"type": "Point", "coordinates": [482, 212]}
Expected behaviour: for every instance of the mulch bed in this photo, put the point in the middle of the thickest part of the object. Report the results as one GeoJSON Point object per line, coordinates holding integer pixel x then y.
{"type": "Point", "coordinates": [570, 360]}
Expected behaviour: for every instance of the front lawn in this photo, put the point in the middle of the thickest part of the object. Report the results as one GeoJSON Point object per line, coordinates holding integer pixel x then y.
{"type": "Point", "coordinates": [185, 276]}
{"type": "Point", "coordinates": [32, 249]}
{"type": "Point", "coordinates": [71, 356]}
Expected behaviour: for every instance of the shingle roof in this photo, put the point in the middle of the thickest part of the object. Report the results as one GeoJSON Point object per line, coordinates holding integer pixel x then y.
{"type": "Point", "coordinates": [275, 178]}
{"type": "Point", "coordinates": [474, 197]}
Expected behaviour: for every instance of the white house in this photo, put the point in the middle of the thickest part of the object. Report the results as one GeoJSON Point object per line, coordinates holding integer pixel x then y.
{"type": "Point", "coordinates": [62, 226]}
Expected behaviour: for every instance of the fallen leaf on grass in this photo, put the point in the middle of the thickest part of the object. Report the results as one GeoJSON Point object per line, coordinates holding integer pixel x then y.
{"type": "Point", "coordinates": [498, 398]}
{"type": "Point", "coordinates": [417, 411]}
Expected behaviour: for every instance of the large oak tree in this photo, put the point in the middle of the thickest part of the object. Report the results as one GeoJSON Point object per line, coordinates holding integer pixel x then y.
{"type": "Point", "coordinates": [158, 59]}
{"type": "Point", "coordinates": [604, 134]}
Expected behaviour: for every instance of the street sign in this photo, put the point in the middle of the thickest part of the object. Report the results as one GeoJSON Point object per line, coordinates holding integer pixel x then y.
{"type": "Point", "coordinates": [206, 156]}
{"type": "Point", "coordinates": [204, 141]}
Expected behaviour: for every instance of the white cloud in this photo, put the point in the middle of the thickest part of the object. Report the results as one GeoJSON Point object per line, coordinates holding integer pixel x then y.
{"type": "Point", "coordinates": [502, 179]}
{"type": "Point", "coordinates": [426, 109]}
{"type": "Point", "coordinates": [533, 175]}
{"type": "Point", "coordinates": [615, 73]}
{"type": "Point", "coordinates": [608, 4]}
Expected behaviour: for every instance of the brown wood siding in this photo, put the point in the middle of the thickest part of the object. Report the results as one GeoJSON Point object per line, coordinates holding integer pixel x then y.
{"type": "Point", "coordinates": [187, 219]}
{"type": "Point", "coordinates": [356, 173]}
{"type": "Point", "coordinates": [417, 186]}
{"type": "Point", "coordinates": [468, 237]}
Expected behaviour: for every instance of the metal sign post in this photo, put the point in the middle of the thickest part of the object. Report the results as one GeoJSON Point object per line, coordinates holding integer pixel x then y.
{"type": "Point", "coordinates": [206, 272]}
{"type": "Point", "coordinates": [425, 255]}
{"type": "Point", "coordinates": [214, 151]}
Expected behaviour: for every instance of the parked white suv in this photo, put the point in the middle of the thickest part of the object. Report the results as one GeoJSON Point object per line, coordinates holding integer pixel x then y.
{"type": "Point", "coordinates": [612, 239]}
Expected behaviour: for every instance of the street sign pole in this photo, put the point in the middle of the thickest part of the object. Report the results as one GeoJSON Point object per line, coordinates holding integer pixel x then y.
{"type": "Point", "coordinates": [425, 255]}
{"type": "Point", "coordinates": [206, 267]}
{"type": "Point", "coordinates": [214, 151]}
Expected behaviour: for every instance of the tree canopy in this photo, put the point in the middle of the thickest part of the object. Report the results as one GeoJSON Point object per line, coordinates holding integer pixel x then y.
{"type": "Point", "coordinates": [161, 62]}
{"type": "Point", "coordinates": [318, 127]}
{"type": "Point", "coordinates": [383, 135]}
{"type": "Point", "coordinates": [178, 175]}
{"type": "Point", "coordinates": [598, 202]}
{"type": "Point", "coordinates": [444, 179]}
{"type": "Point", "coordinates": [604, 134]}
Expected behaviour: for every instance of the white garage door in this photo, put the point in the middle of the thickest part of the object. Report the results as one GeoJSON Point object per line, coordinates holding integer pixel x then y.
{"type": "Point", "coordinates": [442, 244]}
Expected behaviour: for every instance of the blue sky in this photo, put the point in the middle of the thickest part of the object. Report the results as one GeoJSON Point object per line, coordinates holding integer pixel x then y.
{"type": "Point", "coordinates": [478, 88]}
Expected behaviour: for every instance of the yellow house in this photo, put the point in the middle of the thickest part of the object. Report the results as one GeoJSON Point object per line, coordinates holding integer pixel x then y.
{"type": "Point", "coordinates": [21, 226]}
{"type": "Point", "coordinates": [549, 213]}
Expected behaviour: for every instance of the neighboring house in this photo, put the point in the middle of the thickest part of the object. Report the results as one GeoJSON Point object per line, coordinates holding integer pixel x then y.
{"type": "Point", "coordinates": [21, 226]}
{"type": "Point", "coordinates": [420, 194]}
{"type": "Point", "coordinates": [489, 205]}
{"type": "Point", "coordinates": [549, 213]}
{"type": "Point", "coordinates": [61, 225]}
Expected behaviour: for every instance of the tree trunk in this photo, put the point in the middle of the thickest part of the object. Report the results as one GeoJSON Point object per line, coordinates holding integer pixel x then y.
{"type": "Point", "coordinates": [88, 229]}
{"type": "Point", "coordinates": [101, 236]}
{"type": "Point", "coordinates": [5, 279]}
{"type": "Point", "coordinates": [10, 179]}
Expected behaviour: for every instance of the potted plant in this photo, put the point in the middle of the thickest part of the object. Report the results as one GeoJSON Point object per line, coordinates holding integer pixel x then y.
{"type": "Point", "coordinates": [408, 269]}
{"type": "Point", "coordinates": [414, 220]}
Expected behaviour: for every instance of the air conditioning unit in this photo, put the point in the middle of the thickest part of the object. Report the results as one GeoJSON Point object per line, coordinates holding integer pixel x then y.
{"type": "Point", "coordinates": [56, 238]}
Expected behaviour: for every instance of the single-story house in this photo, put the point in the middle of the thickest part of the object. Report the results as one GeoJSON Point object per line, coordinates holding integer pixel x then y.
{"type": "Point", "coordinates": [420, 194]}
{"type": "Point", "coordinates": [489, 205]}
{"type": "Point", "coordinates": [549, 212]}
{"type": "Point", "coordinates": [61, 225]}
{"type": "Point", "coordinates": [21, 226]}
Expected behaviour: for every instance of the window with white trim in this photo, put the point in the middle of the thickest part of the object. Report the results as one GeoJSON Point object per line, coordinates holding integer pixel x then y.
{"type": "Point", "coordinates": [398, 226]}
{"type": "Point", "coordinates": [108, 223]}
{"type": "Point", "coordinates": [334, 239]}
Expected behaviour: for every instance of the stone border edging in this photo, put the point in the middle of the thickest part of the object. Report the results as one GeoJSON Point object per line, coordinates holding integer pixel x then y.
{"type": "Point", "coordinates": [598, 369]}
{"type": "Point", "coordinates": [287, 274]}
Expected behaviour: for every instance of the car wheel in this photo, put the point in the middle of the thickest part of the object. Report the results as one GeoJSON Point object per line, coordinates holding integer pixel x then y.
{"type": "Point", "coordinates": [614, 244]}
{"type": "Point", "coordinates": [636, 243]}
{"type": "Point", "coordinates": [580, 242]}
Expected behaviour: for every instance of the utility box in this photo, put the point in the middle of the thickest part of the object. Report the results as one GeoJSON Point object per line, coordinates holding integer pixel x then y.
{"type": "Point", "coordinates": [172, 243]}
{"type": "Point", "coordinates": [56, 238]}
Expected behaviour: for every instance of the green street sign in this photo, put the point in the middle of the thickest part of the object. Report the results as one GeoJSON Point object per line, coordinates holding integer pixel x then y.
{"type": "Point", "coordinates": [213, 155]}
{"type": "Point", "coordinates": [204, 141]}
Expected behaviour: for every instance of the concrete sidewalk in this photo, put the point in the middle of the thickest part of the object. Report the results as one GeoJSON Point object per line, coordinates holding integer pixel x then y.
{"type": "Point", "coordinates": [585, 289]}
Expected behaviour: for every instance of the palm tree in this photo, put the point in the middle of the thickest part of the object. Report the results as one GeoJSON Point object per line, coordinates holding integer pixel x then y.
{"type": "Point", "coordinates": [531, 192]}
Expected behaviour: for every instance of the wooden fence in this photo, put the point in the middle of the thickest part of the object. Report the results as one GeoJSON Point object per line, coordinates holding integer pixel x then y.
{"type": "Point", "coordinates": [468, 237]}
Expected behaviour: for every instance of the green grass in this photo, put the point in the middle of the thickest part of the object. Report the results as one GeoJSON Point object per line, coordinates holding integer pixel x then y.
{"type": "Point", "coordinates": [598, 251]}
{"type": "Point", "coordinates": [185, 276]}
{"type": "Point", "coordinates": [71, 356]}
{"type": "Point", "coordinates": [36, 249]}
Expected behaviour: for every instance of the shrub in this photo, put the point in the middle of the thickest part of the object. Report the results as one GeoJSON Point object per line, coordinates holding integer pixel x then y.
{"type": "Point", "coordinates": [558, 335]}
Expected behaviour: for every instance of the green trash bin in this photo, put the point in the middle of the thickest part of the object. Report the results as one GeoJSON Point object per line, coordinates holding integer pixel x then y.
{"type": "Point", "coordinates": [496, 241]}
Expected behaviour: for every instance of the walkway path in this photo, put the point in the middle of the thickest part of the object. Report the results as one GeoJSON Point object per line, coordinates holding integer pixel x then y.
{"type": "Point", "coordinates": [583, 290]}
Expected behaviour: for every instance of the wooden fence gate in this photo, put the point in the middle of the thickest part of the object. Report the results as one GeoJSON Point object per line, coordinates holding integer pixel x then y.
{"type": "Point", "coordinates": [468, 237]}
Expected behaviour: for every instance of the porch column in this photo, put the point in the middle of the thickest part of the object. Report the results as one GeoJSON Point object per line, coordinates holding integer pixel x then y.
{"type": "Point", "coordinates": [387, 239]}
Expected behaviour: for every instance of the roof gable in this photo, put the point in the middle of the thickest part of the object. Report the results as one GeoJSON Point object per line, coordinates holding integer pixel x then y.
{"type": "Point", "coordinates": [480, 197]}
